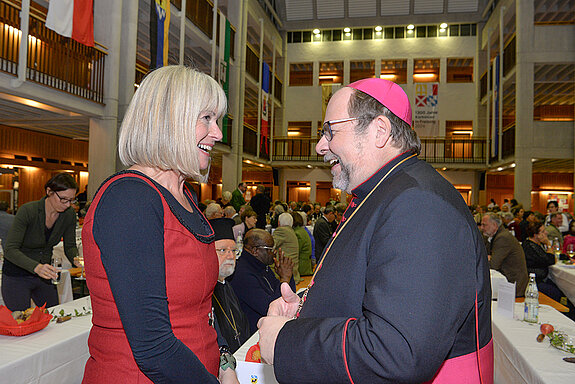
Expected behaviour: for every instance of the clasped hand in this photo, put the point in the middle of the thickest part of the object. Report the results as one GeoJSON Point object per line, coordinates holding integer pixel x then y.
{"type": "Point", "coordinates": [280, 312]}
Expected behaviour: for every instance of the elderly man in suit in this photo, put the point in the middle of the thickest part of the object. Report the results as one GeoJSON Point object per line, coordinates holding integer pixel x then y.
{"type": "Point", "coordinates": [505, 252]}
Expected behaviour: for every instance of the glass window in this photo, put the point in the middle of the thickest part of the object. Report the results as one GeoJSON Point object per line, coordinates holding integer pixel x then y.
{"type": "Point", "coordinates": [421, 31]}
{"type": "Point", "coordinates": [299, 128]}
{"type": "Point", "coordinates": [331, 72]}
{"type": "Point", "coordinates": [367, 33]}
{"type": "Point", "coordinates": [361, 70]}
{"type": "Point", "coordinates": [460, 70]}
{"type": "Point", "coordinates": [389, 32]}
{"type": "Point", "coordinates": [454, 30]}
{"type": "Point", "coordinates": [394, 70]}
{"type": "Point", "coordinates": [336, 36]}
{"type": "Point", "coordinates": [301, 74]}
{"type": "Point", "coordinates": [425, 70]}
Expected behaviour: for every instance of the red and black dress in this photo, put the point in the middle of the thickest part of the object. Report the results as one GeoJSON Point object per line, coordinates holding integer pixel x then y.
{"type": "Point", "coordinates": [151, 267]}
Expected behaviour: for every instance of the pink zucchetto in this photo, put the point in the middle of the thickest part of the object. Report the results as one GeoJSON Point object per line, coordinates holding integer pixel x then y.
{"type": "Point", "coordinates": [387, 93]}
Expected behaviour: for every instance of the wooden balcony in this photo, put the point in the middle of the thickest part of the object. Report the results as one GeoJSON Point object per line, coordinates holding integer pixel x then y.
{"type": "Point", "coordinates": [53, 60]}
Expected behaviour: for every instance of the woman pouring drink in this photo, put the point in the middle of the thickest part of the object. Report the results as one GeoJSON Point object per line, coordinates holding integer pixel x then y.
{"type": "Point", "coordinates": [37, 228]}
{"type": "Point", "coordinates": [150, 260]}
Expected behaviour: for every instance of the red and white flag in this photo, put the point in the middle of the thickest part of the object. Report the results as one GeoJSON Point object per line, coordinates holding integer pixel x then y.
{"type": "Point", "coordinates": [72, 18]}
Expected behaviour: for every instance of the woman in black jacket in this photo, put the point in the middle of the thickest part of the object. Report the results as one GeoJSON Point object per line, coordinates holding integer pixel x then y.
{"type": "Point", "coordinates": [538, 260]}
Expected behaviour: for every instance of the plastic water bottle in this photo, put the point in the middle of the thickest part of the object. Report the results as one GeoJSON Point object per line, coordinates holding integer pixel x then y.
{"type": "Point", "coordinates": [531, 301]}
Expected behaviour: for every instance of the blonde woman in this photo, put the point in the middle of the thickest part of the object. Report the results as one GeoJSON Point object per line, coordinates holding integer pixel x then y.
{"type": "Point", "coordinates": [150, 259]}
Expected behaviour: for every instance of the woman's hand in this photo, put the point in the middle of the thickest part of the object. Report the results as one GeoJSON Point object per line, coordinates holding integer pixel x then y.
{"type": "Point", "coordinates": [77, 262]}
{"type": "Point", "coordinates": [228, 376]}
{"type": "Point", "coordinates": [46, 271]}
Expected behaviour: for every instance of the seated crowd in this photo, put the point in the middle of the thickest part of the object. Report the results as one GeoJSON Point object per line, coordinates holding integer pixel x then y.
{"type": "Point", "coordinates": [521, 242]}
{"type": "Point", "coordinates": [260, 246]}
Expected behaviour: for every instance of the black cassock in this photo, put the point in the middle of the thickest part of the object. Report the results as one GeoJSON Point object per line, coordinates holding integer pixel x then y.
{"type": "Point", "coordinates": [233, 323]}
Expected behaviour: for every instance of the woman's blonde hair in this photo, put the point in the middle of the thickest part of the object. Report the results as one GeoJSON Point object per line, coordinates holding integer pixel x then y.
{"type": "Point", "coordinates": [159, 128]}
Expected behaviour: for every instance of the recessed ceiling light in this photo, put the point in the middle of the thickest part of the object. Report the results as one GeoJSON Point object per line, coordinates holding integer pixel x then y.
{"type": "Point", "coordinates": [500, 169]}
{"type": "Point", "coordinates": [347, 29]}
{"type": "Point", "coordinates": [513, 165]}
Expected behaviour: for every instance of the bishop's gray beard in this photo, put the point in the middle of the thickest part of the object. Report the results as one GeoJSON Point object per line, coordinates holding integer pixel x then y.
{"type": "Point", "coordinates": [341, 180]}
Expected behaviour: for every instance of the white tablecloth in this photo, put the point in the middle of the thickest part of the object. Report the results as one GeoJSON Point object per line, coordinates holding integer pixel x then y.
{"type": "Point", "coordinates": [564, 276]}
{"type": "Point", "coordinates": [496, 278]}
{"type": "Point", "coordinates": [57, 354]}
{"type": "Point", "coordinates": [519, 358]}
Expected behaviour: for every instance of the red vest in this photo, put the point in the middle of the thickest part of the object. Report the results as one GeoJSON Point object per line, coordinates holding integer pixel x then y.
{"type": "Point", "coordinates": [191, 274]}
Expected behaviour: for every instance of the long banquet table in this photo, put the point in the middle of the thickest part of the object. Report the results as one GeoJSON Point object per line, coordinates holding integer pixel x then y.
{"type": "Point", "coordinates": [564, 276]}
{"type": "Point", "coordinates": [519, 358]}
{"type": "Point", "coordinates": [56, 354]}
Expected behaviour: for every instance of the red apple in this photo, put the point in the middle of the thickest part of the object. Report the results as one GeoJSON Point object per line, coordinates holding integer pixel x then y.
{"type": "Point", "coordinates": [546, 328]}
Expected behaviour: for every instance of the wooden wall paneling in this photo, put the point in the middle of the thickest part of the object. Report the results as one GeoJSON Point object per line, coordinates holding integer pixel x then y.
{"type": "Point", "coordinates": [17, 141]}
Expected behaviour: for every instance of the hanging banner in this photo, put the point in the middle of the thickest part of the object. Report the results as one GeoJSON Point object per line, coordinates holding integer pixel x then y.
{"type": "Point", "coordinates": [265, 129]}
{"type": "Point", "coordinates": [159, 31]}
{"type": "Point", "coordinates": [223, 73]}
{"type": "Point", "coordinates": [72, 18]}
{"type": "Point", "coordinates": [327, 91]}
{"type": "Point", "coordinates": [495, 125]}
{"type": "Point", "coordinates": [426, 111]}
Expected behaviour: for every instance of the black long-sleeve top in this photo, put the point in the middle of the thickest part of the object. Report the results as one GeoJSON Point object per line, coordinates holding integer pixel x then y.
{"type": "Point", "coordinates": [538, 261]}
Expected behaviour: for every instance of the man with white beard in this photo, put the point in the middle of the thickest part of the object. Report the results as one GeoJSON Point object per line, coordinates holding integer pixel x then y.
{"type": "Point", "coordinates": [233, 323]}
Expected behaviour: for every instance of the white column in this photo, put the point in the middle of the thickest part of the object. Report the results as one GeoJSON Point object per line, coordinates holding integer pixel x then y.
{"type": "Point", "coordinates": [108, 18]}
{"type": "Point", "coordinates": [524, 102]}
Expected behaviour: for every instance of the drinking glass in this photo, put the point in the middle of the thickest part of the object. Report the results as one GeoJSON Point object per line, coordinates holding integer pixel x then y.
{"type": "Point", "coordinates": [81, 261]}
{"type": "Point", "coordinates": [571, 251]}
{"type": "Point", "coordinates": [556, 247]}
{"type": "Point", "coordinates": [57, 263]}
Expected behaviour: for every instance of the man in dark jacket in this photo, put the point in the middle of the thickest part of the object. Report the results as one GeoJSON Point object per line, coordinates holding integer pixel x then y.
{"type": "Point", "coordinates": [395, 299]}
{"type": "Point", "coordinates": [260, 203]}
{"type": "Point", "coordinates": [254, 281]}
{"type": "Point", "coordinates": [322, 230]}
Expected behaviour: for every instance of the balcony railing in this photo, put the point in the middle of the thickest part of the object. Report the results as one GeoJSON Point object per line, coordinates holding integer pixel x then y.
{"type": "Point", "coordinates": [445, 150]}
{"type": "Point", "coordinates": [53, 60]}
{"type": "Point", "coordinates": [433, 150]}
{"type": "Point", "coordinates": [295, 149]}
